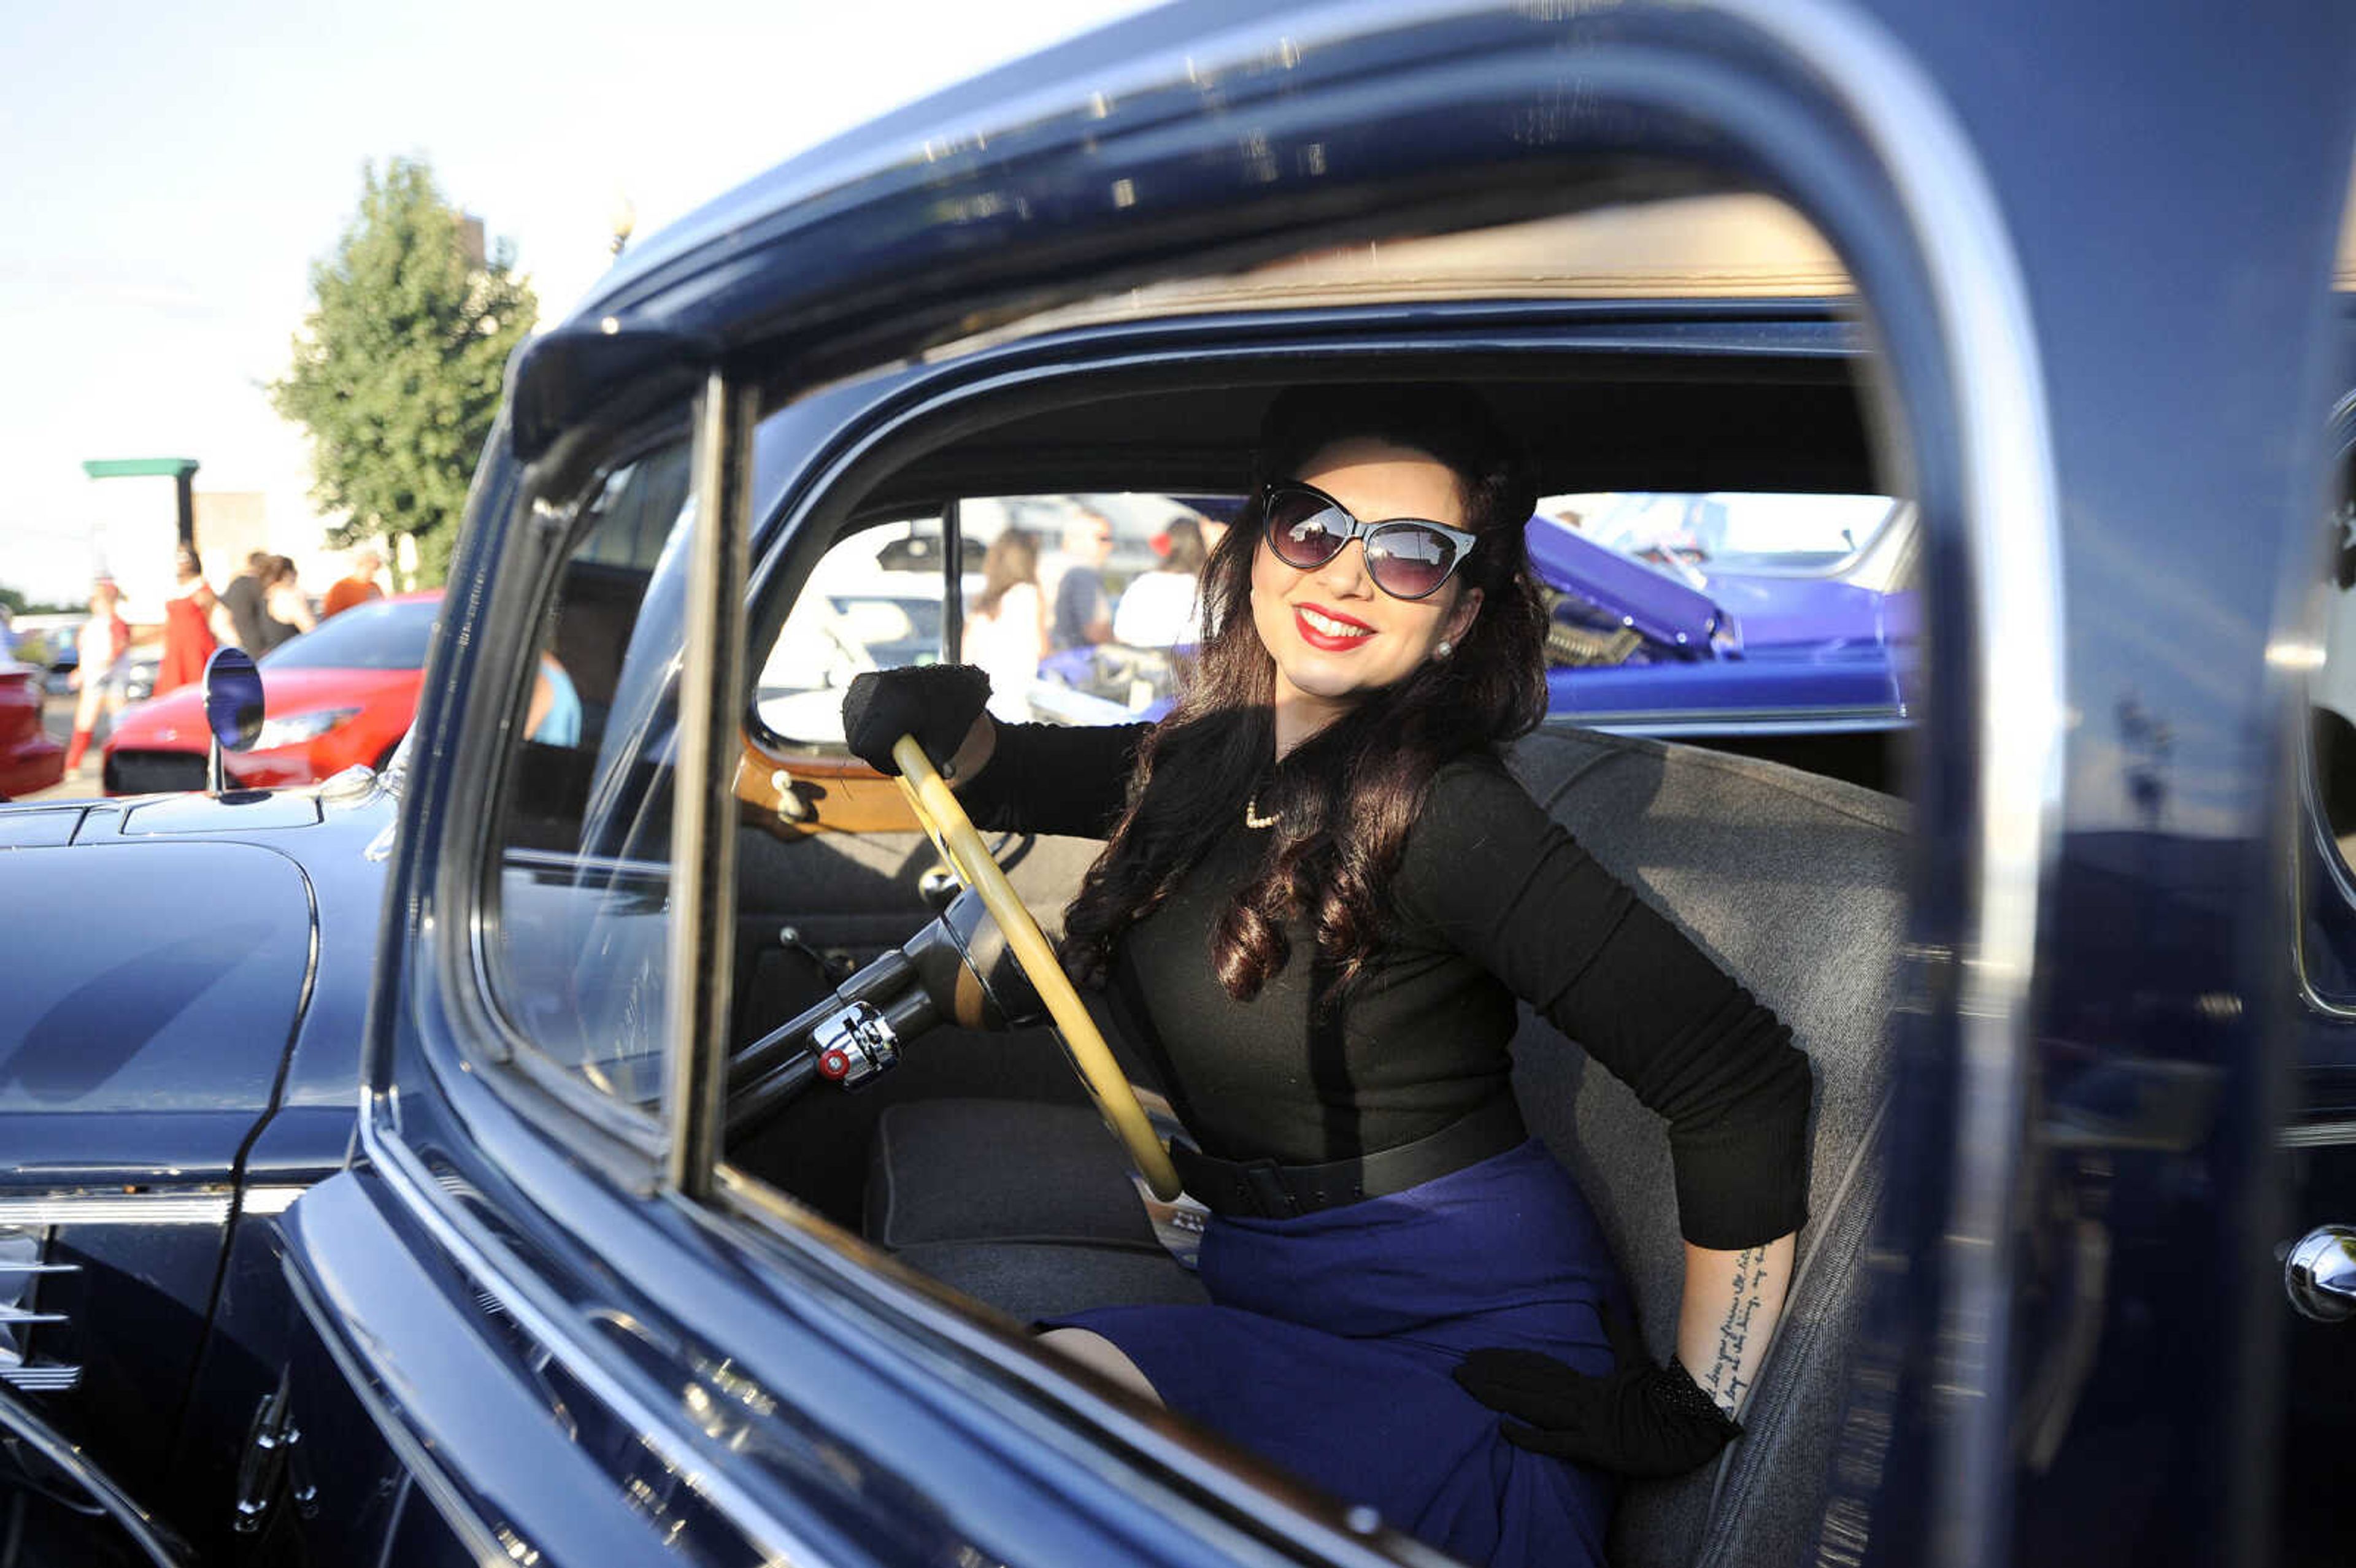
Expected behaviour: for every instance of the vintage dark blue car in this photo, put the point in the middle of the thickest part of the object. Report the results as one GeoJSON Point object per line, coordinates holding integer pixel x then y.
{"type": "Point", "coordinates": [597, 1266]}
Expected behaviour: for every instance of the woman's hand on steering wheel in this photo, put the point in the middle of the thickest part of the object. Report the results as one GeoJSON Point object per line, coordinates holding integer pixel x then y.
{"type": "Point", "coordinates": [935, 703]}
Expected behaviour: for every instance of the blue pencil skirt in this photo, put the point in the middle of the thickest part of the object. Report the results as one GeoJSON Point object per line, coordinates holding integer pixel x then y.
{"type": "Point", "coordinates": [1328, 1342]}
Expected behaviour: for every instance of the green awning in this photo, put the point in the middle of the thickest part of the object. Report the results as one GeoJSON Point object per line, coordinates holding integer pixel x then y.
{"type": "Point", "coordinates": [140, 467]}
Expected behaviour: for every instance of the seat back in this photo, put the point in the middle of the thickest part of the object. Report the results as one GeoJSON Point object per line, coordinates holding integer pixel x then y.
{"type": "Point", "coordinates": [1795, 884]}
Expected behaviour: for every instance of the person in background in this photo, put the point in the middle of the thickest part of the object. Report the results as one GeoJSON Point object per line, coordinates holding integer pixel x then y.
{"type": "Point", "coordinates": [1006, 625]}
{"type": "Point", "coordinates": [286, 613]}
{"type": "Point", "coordinates": [357, 588]}
{"type": "Point", "coordinates": [1162, 608]}
{"type": "Point", "coordinates": [1082, 614]}
{"type": "Point", "coordinates": [241, 597]}
{"type": "Point", "coordinates": [553, 716]}
{"type": "Point", "coordinates": [188, 639]}
{"type": "Point", "coordinates": [104, 642]}
{"type": "Point", "coordinates": [7, 634]}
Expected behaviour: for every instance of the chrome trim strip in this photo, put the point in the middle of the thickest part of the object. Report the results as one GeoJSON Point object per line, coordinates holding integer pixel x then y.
{"type": "Point", "coordinates": [1881, 719]}
{"type": "Point", "coordinates": [573, 868]}
{"type": "Point", "coordinates": [2013, 526]}
{"type": "Point", "coordinates": [26, 1315]}
{"type": "Point", "coordinates": [117, 1208]}
{"type": "Point", "coordinates": [270, 1199]}
{"type": "Point", "coordinates": [46, 1379]}
{"type": "Point", "coordinates": [2316, 1135]}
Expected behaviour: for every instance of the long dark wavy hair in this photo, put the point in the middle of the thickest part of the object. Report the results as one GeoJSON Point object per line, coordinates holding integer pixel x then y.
{"type": "Point", "coordinates": [1345, 798]}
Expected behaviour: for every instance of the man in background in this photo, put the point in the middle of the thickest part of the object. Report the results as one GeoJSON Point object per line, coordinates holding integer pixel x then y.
{"type": "Point", "coordinates": [241, 597]}
{"type": "Point", "coordinates": [1083, 611]}
{"type": "Point", "coordinates": [357, 588]}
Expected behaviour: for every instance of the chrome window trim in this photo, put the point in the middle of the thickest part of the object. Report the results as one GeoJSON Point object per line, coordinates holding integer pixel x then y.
{"type": "Point", "coordinates": [2310, 802]}
{"type": "Point", "coordinates": [706, 750]}
{"type": "Point", "coordinates": [627, 1137]}
{"type": "Point", "coordinates": [2326, 852]}
{"type": "Point", "coordinates": [1736, 722]}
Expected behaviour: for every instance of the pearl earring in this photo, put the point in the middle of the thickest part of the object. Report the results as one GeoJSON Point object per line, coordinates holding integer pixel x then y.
{"type": "Point", "coordinates": [1444, 649]}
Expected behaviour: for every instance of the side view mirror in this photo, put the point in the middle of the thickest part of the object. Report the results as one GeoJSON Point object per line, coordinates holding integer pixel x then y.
{"type": "Point", "coordinates": [232, 708]}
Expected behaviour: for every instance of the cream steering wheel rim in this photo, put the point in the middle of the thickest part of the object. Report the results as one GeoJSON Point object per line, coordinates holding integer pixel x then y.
{"type": "Point", "coordinates": [952, 832]}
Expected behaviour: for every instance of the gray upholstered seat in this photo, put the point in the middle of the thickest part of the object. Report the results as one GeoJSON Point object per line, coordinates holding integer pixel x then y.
{"type": "Point", "coordinates": [1795, 883]}
{"type": "Point", "coordinates": [1027, 1206]}
{"type": "Point", "coordinates": [1792, 881]}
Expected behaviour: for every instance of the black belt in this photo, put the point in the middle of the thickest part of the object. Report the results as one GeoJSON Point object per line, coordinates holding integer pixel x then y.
{"type": "Point", "coordinates": [1261, 1189]}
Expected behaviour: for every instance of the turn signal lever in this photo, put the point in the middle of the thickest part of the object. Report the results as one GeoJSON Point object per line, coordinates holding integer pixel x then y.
{"type": "Point", "coordinates": [958, 969]}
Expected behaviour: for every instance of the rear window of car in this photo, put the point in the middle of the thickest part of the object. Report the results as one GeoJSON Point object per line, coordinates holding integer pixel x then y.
{"type": "Point", "coordinates": [1727, 531]}
{"type": "Point", "coordinates": [383, 636]}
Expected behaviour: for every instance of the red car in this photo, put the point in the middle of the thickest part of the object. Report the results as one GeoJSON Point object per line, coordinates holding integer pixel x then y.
{"type": "Point", "coordinates": [341, 694]}
{"type": "Point", "coordinates": [29, 760]}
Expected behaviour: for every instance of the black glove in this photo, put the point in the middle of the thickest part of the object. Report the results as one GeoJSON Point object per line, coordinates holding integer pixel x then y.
{"type": "Point", "coordinates": [937, 703]}
{"type": "Point", "coordinates": [1638, 1420]}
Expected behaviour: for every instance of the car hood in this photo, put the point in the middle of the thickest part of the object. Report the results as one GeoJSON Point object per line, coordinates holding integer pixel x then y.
{"type": "Point", "coordinates": [165, 979]}
{"type": "Point", "coordinates": [176, 720]}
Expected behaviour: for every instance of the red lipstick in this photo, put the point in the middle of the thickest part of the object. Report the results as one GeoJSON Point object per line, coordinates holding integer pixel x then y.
{"type": "Point", "coordinates": [1327, 641]}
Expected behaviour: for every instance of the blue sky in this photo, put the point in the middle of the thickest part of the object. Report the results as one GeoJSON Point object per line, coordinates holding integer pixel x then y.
{"type": "Point", "coordinates": [170, 172]}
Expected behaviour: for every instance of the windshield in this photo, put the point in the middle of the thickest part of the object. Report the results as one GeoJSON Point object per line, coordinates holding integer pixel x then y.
{"type": "Point", "coordinates": [1726, 531]}
{"type": "Point", "coordinates": [385, 634]}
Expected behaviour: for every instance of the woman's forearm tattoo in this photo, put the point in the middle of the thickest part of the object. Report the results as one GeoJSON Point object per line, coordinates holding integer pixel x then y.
{"type": "Point", "coordinates": [1725, 1381]}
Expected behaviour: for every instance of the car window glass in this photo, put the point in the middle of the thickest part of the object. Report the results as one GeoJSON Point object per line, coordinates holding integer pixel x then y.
{"type": "Point", "coordinates": [1081, 633]}
{"type": "Point", "coordinates": [386, 635]}
{"type": "Point", "coordinates": [1753, 533]}
{"type": "Point", "coordinates": [873, 602]}
{"type": "Point", "coordinates": [578, 952]}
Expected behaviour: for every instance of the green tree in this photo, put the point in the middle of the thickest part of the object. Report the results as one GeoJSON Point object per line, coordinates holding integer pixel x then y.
{"type": "Point", "coordinates": [19, 603]}
{"type": "Point", "coordinates": [396, 372]}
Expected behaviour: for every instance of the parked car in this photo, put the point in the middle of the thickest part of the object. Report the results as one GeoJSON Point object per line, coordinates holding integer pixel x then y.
{"type": "Point", "coordinates": [339, 694]}
{"type": "Point", "coordinates": [58, 650]}
{"type": "Point", "coordinates": [449, 1174]}
{"type": "Point", "coordinates": [29, 759]}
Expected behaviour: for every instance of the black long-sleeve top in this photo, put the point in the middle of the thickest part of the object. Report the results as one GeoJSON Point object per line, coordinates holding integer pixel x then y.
{"type": "Point", "coordinates": [1491, 900]}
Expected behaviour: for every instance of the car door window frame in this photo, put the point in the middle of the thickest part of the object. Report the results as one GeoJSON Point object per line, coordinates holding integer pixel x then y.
{"type": "Point", "coordinates": [632, 1143]}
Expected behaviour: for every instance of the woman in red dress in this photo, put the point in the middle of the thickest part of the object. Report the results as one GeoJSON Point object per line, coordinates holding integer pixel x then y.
{"type": "Point", "coordinates": [188, 639]}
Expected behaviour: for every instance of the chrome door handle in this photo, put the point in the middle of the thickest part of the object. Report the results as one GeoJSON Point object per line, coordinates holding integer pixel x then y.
{"type": "Point", "coordinates": [2319, 1272]}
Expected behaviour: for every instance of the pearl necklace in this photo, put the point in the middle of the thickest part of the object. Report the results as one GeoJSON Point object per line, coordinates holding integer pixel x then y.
{"type": "Point", "coordinates": [1252, 818]}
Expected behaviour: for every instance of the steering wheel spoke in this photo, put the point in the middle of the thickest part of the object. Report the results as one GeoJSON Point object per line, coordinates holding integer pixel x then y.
{"type": "Point", "coordinates": [953, 834]}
